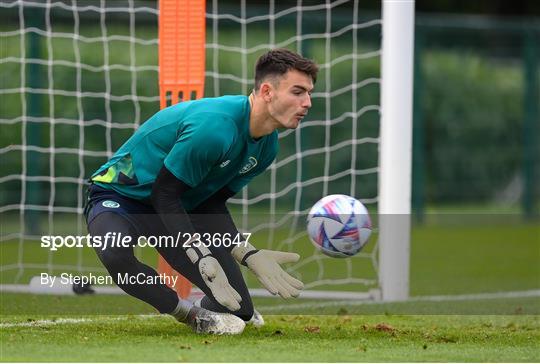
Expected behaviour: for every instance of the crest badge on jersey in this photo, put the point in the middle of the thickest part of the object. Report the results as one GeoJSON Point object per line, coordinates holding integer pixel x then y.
{"type": "Point", "coordinates": [252, 162]}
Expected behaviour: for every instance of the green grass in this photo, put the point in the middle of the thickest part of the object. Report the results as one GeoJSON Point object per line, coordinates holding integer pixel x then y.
{"type": "Point", "coordinates": [285, 338]}
{"type": "Point", "coordinates": [472, 258]}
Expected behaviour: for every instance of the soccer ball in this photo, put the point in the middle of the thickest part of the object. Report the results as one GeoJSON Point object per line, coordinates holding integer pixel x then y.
{"type": "Point", "coordinates": [339, 226]}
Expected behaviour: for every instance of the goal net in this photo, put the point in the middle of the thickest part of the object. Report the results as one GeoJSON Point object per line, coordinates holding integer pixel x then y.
{"type": "Point", "coordinates": [80, 76]}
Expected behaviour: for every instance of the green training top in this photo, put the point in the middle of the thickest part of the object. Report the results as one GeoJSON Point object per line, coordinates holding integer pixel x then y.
{"type": "Point", "coordinates": [205, 143]}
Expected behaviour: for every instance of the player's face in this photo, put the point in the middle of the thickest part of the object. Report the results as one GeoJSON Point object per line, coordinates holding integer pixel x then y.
{"type": "Point", "coordinates": [291, 99]}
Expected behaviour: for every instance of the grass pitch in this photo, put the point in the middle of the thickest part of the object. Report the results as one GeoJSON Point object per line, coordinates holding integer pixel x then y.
{"type": "Point", "coordinates": [285, 338]}
{"type": "Point", "coordinates": [324, 332]}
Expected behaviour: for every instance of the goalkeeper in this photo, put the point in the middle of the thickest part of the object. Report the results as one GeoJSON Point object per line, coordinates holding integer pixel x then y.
{"type": "Point", "coordinates": [176, 173]}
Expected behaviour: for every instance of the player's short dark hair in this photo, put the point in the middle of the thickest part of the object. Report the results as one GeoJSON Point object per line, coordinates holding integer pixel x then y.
{"type": "Point", "coordinates": [279, 61]}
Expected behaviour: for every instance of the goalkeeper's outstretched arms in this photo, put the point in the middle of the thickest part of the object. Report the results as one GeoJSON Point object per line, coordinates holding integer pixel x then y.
{"type": "Point", "coordinates": [166, 194]}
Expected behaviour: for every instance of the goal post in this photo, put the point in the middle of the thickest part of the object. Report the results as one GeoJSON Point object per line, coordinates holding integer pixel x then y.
{"type": "Point", "coordinates": [396, 148]}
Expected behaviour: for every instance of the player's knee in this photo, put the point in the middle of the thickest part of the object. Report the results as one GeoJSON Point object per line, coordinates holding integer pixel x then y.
{"type": "Point", "coordinates": [246, 309]}
{"type": "Point", "coordinates": [115, 260]}
{"type": "Point", "coordinates": [246, 306]}
{"type": "Point", "coordinates": [245, 313]}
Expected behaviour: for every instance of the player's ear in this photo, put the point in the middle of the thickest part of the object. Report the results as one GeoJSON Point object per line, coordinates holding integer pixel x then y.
{"type": "Point", "coordinates": [266, 91]}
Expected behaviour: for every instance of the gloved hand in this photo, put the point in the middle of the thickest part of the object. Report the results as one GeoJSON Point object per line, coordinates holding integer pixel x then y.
{"type": "Point", "coordinates": [265, 264]}
{"type": "Point", "coordinates": [214, 277]}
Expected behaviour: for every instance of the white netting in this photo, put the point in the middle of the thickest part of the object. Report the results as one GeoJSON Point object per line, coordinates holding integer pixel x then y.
{"type": "Point", "coordinates": [80, 76]}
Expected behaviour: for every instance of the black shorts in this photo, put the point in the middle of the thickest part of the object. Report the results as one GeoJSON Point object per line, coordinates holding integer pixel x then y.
{"type": "Point", "coordinates": [142, 216]}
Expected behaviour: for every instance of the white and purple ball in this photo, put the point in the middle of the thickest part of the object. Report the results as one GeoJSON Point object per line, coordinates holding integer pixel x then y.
{"type": "Point", "coordinates": [339, 226]}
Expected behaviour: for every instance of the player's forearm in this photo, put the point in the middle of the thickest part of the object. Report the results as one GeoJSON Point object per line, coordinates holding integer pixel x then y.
{"type": "Point", "coordinates": [166, 200]}
{"type": "Point", "coordinates": [166, 194]}
{"type": "Point", "coordinates": [214, 214]}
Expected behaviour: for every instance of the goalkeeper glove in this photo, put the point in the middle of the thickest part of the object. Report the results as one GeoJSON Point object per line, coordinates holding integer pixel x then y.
{"type": "Point", "coordinates": [214, 277]}
{"type": "Point", "coordinates": [265, 264]}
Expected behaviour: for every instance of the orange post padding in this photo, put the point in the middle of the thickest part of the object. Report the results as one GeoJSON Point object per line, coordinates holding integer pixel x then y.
{"type": "Point", "coordinates": [181, 50]}
{"type": "Point", "coordinates": [181, 72]}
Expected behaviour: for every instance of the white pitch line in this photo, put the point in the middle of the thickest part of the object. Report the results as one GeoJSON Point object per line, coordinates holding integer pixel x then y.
{"type": "Point", "coordinates": [463, 297]}
{"type": "Point", "coordinates": [43, 323]}
{"type": "Point", "coordinates": [67, 321]}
